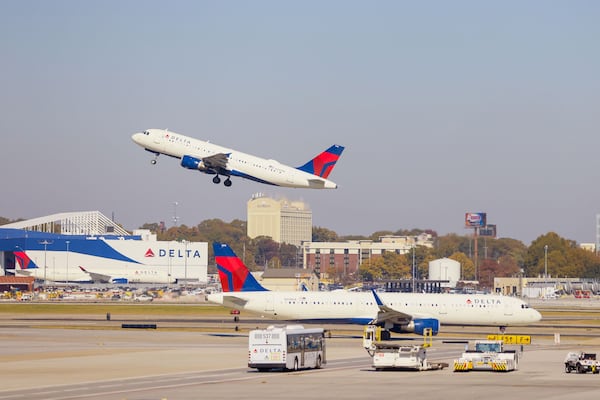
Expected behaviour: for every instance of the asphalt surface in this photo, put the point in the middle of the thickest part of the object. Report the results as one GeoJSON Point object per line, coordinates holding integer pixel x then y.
{"type": "Point", "coordinates": [44, 358]}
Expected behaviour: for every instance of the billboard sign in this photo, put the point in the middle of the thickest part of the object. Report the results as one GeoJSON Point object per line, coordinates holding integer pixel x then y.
{"type": "Point", "coordinates": [473, 220]}
{"type": "Point", "coordinates": [488, 230]}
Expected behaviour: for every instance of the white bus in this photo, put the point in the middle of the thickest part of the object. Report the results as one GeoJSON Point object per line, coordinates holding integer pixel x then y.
{"type": "Point", "coordinates": [288, 347]}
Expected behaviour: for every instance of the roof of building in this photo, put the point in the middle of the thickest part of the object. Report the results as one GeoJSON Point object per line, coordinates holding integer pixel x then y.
{"type": "Point", "coordinates": [72, 223]}
{"type": "Point", "coordinates": [10, 279]}
{"type": "Point", "coordinates": [286, 273]}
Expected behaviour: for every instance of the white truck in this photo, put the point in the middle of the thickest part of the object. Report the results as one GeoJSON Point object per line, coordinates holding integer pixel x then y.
{"type": "Point", "coordinates": [581, 362]}
{"type": "Point", "coordinates": [487, 355]}
{"type": "Point", "coordinates": [392, 355]}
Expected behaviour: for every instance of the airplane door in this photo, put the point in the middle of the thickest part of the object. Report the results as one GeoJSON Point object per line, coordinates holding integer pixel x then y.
{"type": "Point", "coordinates": [269, 303]}
{"type": "Point", "coordinates": [442, 309]}
{"type": "Point", "coordinates": [508, 309]}
{"type": "Point", "coordinates": [159, 141]}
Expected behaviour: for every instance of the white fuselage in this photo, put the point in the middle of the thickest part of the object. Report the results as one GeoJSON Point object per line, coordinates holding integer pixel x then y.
{"type": "Point", "coordinates": [240, 164]}
{"type": "Point", "coordinates": [75, 274]}
{"type": "Point", "coordinates": [455, 309]}
{"type": "Point", "coordinates": [53, 275]}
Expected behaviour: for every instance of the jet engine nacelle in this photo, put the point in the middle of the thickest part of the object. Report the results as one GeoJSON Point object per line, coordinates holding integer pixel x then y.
{"type": "Point", "coordinates": [190, 162]}
{"type": "Point", "coordinates": [418, 326]}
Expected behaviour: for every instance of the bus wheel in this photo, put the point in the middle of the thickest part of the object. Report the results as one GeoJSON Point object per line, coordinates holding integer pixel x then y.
{"type": "Point", "coordinates": [318, 365]}
{"type": "Point", "coordinates": [295, 364]}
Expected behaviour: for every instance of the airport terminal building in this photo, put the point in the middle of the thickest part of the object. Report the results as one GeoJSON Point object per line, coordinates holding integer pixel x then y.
{"type": "Point", "coordinates": [89, 247]}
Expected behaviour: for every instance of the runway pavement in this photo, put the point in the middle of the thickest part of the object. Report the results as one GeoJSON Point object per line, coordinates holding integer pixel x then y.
{"type": "Point", "coordinates": [55, 362]}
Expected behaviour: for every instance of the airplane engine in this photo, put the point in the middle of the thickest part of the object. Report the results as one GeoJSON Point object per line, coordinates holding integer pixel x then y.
{"type": "Point", "coordinates": [418, 326]}
{"type": "Point", "coordinates": [190, 162]}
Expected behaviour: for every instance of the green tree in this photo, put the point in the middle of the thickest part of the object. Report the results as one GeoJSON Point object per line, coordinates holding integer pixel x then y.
{"type": "Point", "coordinates": [450, 244]}
{"type": "Point", "coordinates": [466, 265]}
{"type": "Point", "coordinates": [323, 235]}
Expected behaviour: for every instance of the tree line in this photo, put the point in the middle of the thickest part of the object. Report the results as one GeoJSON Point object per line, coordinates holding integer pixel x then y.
{"type": "Point", "coordinates": [501, 257]}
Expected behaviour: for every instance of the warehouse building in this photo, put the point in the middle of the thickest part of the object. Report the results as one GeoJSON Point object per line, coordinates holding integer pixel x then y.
{"type": "Point", "coordinates": [89, 247]}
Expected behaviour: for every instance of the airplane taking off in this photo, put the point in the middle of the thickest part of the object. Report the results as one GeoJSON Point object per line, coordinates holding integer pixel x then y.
{"type": "Point", "coordinates": [220, 161]}
{"type": "Point", "coordinates": [395, 312]}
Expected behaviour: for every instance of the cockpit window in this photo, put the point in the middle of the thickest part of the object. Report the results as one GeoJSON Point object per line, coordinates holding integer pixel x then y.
{"type": "Point", "coordinates": [146, 132]}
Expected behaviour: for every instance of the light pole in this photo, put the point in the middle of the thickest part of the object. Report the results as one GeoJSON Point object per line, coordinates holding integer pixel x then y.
{"type": "Point", "coordinates": [45, 243]}
{"type": "Point", "coordinates": [545, 261]}
{"type": "Point", "coordinates": [67, 243]}
{"type": "Point", "coordinates": [413, 269]}
{"type": "Point", "coordinates": [185, 263]}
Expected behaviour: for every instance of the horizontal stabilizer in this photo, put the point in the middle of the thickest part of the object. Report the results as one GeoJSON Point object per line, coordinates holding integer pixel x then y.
{"type": "Point", "coordinates": [235, 300]}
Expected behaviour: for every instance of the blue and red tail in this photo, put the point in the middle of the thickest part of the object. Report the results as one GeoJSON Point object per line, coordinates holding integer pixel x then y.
{"type": "Point", "coordinates": [323, 164]}
{"type": "Point", "coordinates": [234, 275]}
{"type": "Point", "coordinates": [23, 260]}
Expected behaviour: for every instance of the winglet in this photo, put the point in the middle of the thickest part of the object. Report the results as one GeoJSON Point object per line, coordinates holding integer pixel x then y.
{"type": "Point", "coordinates": [377, 299]}
{"type": "Point", "coordinates": [323, 164]}
{"type": "Point", "coordinates": [234, 275]}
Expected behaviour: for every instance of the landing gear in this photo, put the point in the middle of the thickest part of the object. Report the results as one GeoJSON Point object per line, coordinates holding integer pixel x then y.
{"type": "Point", "coordinates": [227, 182]}
{"type": "Point", "coordinates": [153, 161]}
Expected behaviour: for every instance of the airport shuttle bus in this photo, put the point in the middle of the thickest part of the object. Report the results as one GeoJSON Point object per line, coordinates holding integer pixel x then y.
{"type": "Point", "coordinates": [287, 347]}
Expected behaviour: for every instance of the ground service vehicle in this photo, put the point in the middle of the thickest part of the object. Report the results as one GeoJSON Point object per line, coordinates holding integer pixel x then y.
{"type": "Point", "coordinates": [581, 362]}
{"type": "Point", "coordinates": [287, 347]}
{"type": "Point", "coordinates": [487, 355]}
{"type": "Point", "coordinates": [390, 355]}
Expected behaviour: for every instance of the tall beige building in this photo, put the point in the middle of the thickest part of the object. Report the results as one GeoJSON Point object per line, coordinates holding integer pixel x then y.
{"type": "Point", "coordinates": [282, 220]}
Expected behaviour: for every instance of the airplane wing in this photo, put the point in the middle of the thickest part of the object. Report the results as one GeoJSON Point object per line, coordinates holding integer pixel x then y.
{"type": "Point", "coordinates": [216, 162]}
{"type": "Point", "coordinates": [96, 277]}
{"type": "Point", "coordinates": [388, 314]}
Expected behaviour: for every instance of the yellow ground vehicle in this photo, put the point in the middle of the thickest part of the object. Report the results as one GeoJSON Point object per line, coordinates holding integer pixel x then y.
{"type": "Point", "coordinates": [487, 355]}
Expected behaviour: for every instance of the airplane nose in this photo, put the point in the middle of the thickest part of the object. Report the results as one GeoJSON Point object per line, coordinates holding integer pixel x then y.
{"type": "Point", "coordinates": [137, 137]}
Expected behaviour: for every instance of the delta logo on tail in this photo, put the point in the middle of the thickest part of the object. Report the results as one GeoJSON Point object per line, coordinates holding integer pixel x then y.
{"type": "Point", "coordinates": [234, 275]}
{"type": "Point", "coordinates": [323, 164]}
{"type": "Point", "coordinates": [24, 261]}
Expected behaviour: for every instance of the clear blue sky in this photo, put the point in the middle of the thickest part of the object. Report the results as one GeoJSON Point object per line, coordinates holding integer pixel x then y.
{"type": "Point", "coordinates": [444, 107]}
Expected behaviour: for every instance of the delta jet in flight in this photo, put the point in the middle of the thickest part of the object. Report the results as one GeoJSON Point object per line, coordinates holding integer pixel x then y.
{"type": "Point", "coordinates": [395, 312]}
{"type": "Point", "coordinates": [220, 161]}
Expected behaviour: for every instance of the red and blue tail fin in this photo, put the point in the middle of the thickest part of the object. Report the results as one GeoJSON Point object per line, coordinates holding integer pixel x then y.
{"type": "Point", "coordinates": [234, 275]}
{"type": "Point", "coordinates": [23, 260]}
{"type": "Point", "coordinates": [323, 164]}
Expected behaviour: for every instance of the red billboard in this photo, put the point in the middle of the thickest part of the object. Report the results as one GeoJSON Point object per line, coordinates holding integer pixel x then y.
{"type": "Point", "coordinates": [473, 220]}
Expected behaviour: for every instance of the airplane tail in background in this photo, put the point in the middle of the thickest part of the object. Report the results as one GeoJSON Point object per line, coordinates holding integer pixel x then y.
{"type": "Point", "coordinates": [234, 275]}
{"type": "Point", "coordinates": [323, 164]}
{"type": "Point", "coordinates": [23, 261]}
